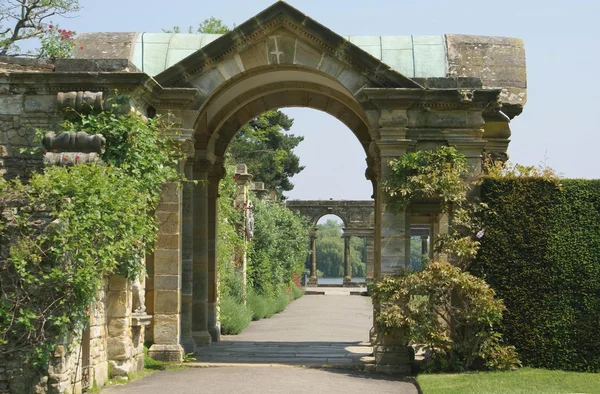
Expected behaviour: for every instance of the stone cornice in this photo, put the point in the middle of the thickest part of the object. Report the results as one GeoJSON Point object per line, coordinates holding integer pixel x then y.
{"type": "Point", "coordinates": [439, 99]}
{"type": "Point", "coordinates": [136, 84]}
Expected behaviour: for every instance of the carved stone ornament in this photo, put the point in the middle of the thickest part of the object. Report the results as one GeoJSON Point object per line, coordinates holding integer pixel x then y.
{"type": "Point", "coordinates": [466, 95]}
{"type": "Point", "coordinates": [82, 102]}
{"type": "Point", "coordinates": [70, 158]}
{"type": "Point", "coordinates": [74, 142]}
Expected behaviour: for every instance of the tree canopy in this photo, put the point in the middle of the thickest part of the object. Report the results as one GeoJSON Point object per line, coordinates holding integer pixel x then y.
{"type": "Point", "coordinates": [330, 251]}
{"type": "Point", "coordinates": [21, 20]}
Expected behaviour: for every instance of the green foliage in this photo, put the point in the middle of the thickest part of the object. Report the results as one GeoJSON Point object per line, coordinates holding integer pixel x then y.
{"type": "Point", "coordinates": [27, 20]}
{"type": "Point", "coordinates": [278, 250]}
{"type": "Point", "coordinates": [230, 240]}
{"type": "Point", "coordinates": [439, 176]}
{"type": "Point", "coordinates": [540, 254]}
{"type": "Point", "coordinates": [444, 309]}
{"type": "Point", "coordinates": [330, 251]}
{"type": "Point", "coordinates": [258, 304]}
{"type": "Point", "coordinates": [57, 43]}
{"type": "Point", "coordinates": [523, 381]}
{"type": "Point", "coordinates": [447, 312]}
{"type": "Point", "coordinates": [211, 25]}
{"type": "Point", "coordinates": [235, 316]}
{"type": "Point", "coordinates": [267, 151]}
{"type": "Point", "coordinates": [70, 227]}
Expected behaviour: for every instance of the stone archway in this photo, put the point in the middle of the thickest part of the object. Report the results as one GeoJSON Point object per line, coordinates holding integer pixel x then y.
{"type": "Point", "coordinates": [282, 57]}
{"type": "Point", "coordinates": [359, 221]}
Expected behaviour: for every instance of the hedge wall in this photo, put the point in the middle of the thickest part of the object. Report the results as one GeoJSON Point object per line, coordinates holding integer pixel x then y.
{"type": "Point", "coordinates": [541, 253]}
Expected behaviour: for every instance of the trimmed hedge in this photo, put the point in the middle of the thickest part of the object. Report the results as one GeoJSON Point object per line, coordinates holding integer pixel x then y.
{"type": "Point", "coordinates": [541, 253]}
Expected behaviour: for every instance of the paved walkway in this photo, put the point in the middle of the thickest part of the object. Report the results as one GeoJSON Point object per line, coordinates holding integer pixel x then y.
{"type": "Point", "coordinates": [318, 344]}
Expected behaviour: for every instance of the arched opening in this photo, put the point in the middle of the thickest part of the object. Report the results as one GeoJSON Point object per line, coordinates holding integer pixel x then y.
{"type": "Point", "coordinates": [339, 256]}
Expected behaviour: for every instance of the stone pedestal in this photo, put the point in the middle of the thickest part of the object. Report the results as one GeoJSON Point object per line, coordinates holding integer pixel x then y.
{"type": "Point", "coordinates": [392, 355]}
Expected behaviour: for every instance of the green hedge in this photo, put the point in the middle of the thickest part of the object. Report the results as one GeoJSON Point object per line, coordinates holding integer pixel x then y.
{"type": "Point", "coordinates": [541, 253]}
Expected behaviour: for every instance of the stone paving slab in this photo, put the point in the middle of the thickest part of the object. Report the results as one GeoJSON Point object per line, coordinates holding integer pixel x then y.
{"type": "Point", "coordinates": [318, 345]}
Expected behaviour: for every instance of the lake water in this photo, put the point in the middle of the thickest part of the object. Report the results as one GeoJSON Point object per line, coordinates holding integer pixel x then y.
{"type": "Point", "coordinates": [338, 281]}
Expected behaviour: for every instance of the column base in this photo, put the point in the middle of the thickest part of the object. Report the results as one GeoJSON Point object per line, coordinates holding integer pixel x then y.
{"type": "Point", "coordinates": [188, 344]}
{"type": "Point", "coordinates": [393, 355]}
{"type": "Point", "coordinates": [201, 337]}
{"type": "Point", "coordinates": [313, 281]}
{"type": "Point", "coordinates": [171, 353]}
{"type": "Point", "coordinates": [347, 280]}
{"type": "Point", "coordinates": [373, 336]}
{"type": "Point", "coordinates": [215, 333]}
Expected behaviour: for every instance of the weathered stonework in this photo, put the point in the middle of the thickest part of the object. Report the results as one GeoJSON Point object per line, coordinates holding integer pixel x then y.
{"type": "Point", "coordinates": [279, 58]}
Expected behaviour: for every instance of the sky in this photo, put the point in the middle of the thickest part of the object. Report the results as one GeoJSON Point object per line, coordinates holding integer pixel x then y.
{"type": "Point", "coordinates": [560, 124]}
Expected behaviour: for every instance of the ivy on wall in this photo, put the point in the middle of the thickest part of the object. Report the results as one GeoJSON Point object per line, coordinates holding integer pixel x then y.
{"type": "Point", "coordinates": [69, 227]}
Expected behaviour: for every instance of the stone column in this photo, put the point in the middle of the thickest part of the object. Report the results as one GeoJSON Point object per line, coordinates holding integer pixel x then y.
{"type": "Point", "coordinates": [200, 254]}
{"type": "Point", "coordinates": [391, 352]}
{"type": "Point", "coordinates": [243, 181]}
{"type": "Point", "coordinates": [370, 260]}
{"type": "Point", "coordinates": [187, 227]}
{"type": "Point", "coordinates": [347, 266]}
{"type": "Point", "coordinates": [313, 280]}
{"type": "Point", "coordinates": [214, 326]}
{"type": "Point", "coordinates": [167, 275]}
{"type": "Point", "coordinates": [424, 244]}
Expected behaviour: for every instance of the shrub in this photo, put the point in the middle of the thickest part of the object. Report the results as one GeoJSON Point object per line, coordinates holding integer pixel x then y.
{"type": "Point", "coordinates": [258, 304]}
{"type": "Point", "coordinates": [235, 316]}
{"type": "Point", "coordinates": [297, 292]}
{"type": "Point", "coordinates": [449, 313]}
{"type": "Point", "coordinates": [541, 254]}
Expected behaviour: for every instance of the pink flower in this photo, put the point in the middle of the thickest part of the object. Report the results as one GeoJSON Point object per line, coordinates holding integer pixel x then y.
{"type": "Point", "coordinates": [51, 26]}
{"type": "Point", "coordinates": [81, 47]}
{"type": "Point", "coordinates": [54, 150]}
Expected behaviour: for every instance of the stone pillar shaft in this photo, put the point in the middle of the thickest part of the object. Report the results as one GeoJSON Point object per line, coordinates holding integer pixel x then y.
{"type": "Point", "coordinates": [370, 260]}
{"type": "Point", "coordinates": [187, 250]}
{"type": "Point", "coordinates": [347, 267]}
{"type": "Point", "coordinates": [313, 280]}
{"type": "Point", "coordinates": [200, 258]}
{"type": "Point", "coordinates": [167, 274]}
{"type": "Point", "coordinates": [214, 327]}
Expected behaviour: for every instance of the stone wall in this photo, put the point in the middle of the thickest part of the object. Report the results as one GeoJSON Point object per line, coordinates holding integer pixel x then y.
{"type": "Point", "coordinates": [112, 345]}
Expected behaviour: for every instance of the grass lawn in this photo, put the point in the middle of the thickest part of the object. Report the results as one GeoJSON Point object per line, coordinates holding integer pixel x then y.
{"type": "Point", "coordinates": [525, 380]}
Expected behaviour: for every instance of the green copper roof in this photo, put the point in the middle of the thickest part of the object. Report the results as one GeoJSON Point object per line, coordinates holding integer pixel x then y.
{"type": "Point", "coordinates": [412, 56]}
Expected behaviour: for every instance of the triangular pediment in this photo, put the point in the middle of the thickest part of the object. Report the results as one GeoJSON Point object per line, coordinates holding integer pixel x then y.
{"type": "Point", "coordinates": [283, 35]}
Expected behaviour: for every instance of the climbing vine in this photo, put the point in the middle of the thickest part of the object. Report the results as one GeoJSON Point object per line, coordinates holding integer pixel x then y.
{"type": "Point", "coordinates": [449, 313]}
{"type": "Point", "coordinates": [69, 227]}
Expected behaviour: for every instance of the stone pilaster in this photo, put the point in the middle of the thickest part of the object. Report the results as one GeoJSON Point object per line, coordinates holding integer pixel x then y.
{"type": "Point", "coordinates": [200, 254]}
{"type": "Point", "coordinates": [167, 274]}
{"type": "Point", "coordinates": [119, 344]}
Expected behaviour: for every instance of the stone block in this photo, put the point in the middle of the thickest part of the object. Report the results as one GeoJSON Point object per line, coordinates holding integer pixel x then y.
{"type": "Point", "coordinates": [120, 368]}
{"type": "Point", "coordinates": [172, 353]}
{"type": "Point", "coordinates": [255, 56]}
{"type": "Point", "coordinates": [118, 327]}
{"type": "Point", "coordinates": [166, 329]}
{"type": "Point", "coordinates": [166, 262]}
{"type": "Point", "coordinates": [331, 66]}
{"type": "Point", "coordinates": [119, 348]}
{"type": "Point", "coordinates": [168, 222]}
{"type": "Point", "coordinates": [170, 193]}
{"type": "Point", "coordinates": [166, 302]}
{"type": "Point", "coordinates": [41, 103]}
{"type": "Point", "coordinates": [11, 105]}
{"type": "Point", "coordinates": [117, 304]}
{"type": "Point", "coordinates": [166, 241]}
{"type": "Point", "coordinates": [167, 282]}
